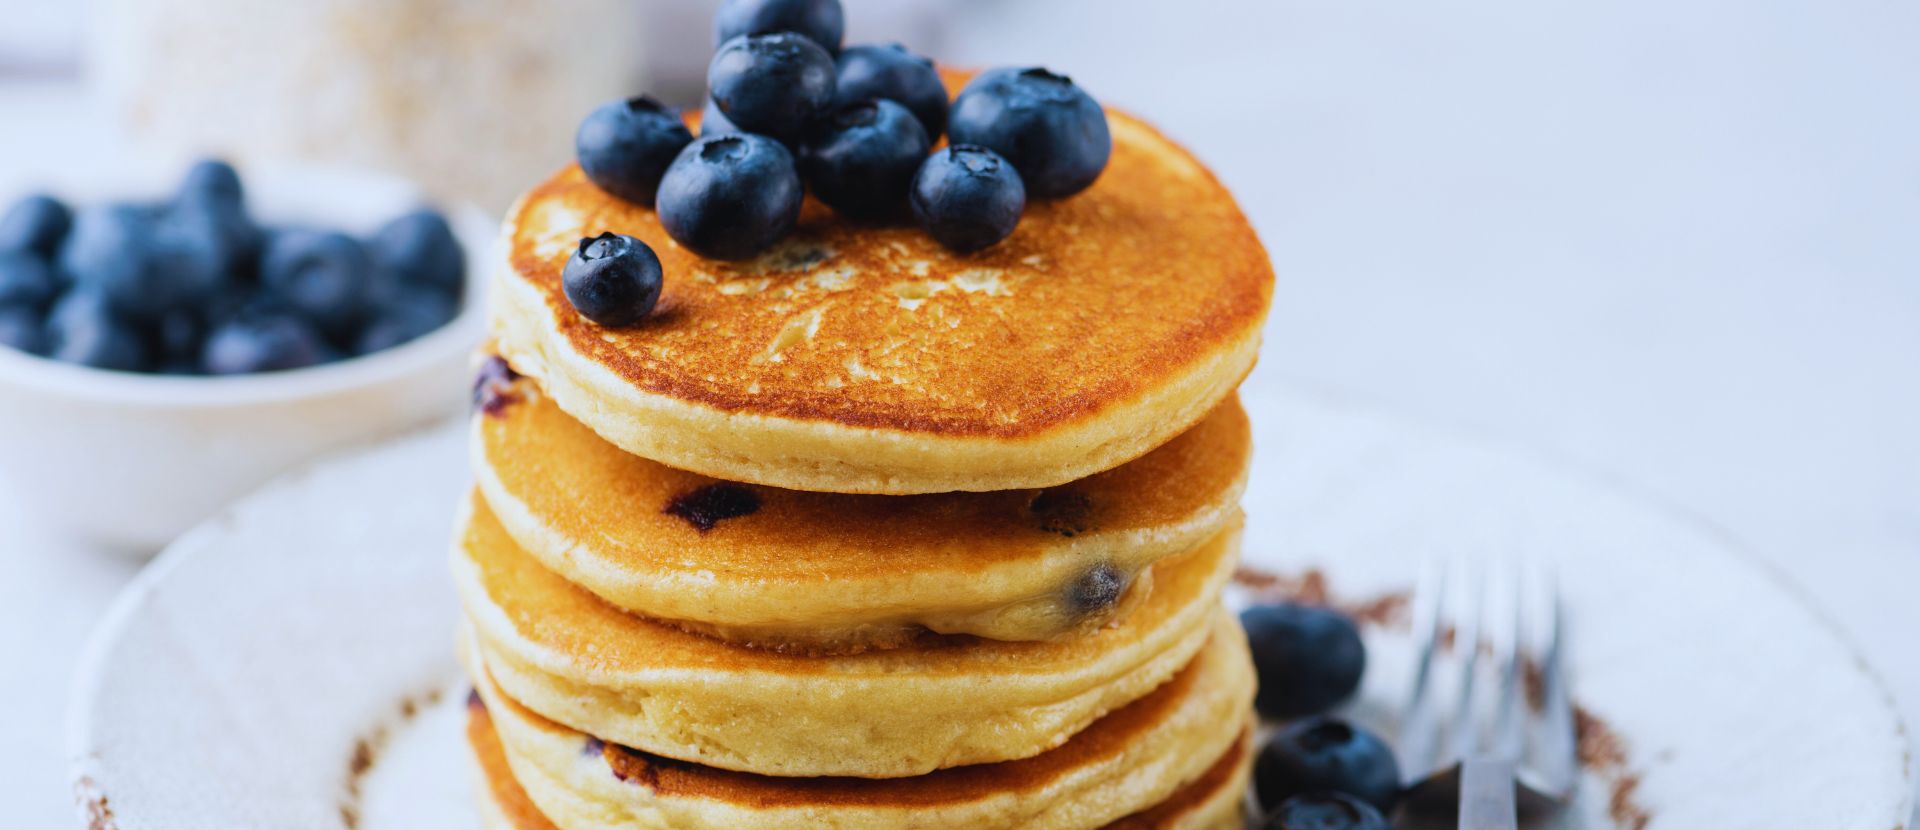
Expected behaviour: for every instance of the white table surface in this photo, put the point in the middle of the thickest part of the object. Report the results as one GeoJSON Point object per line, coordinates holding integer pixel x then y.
{"type": "Point", "coordinates": [1678, 242]}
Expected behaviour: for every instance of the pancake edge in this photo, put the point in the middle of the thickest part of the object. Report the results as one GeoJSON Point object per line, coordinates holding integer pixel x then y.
{"type": "Point", "coordinates": [725, 605]}
{"type": "Point", "coordinates": [685, 714]}
{"type": "Point", "coordinates": [1219, 807]}
{"type": "Point", "coordinates": [1134, 784]}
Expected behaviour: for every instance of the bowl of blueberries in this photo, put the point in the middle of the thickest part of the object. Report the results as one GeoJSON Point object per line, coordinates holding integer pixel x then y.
{"type": "Point", "coordinates": [166, 346]}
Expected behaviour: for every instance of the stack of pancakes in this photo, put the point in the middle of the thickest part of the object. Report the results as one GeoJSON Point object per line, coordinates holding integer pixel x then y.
{"type": "Point", "coordinates": [862, 533]}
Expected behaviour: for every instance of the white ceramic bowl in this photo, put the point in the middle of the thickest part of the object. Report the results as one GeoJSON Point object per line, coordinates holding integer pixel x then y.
{"type": "Point", "coordinates": [129, 461]}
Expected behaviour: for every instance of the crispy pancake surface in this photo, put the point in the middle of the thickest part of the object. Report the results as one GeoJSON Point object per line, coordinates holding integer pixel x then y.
{"type": "Point", "coordinates": [940, 702]}
{"type": "Point", "coordinates": [1176, 758]}
{"type": "Point", "coordinates": [868, 359]}
{"type": "Point", "coordinates": [836, 572]}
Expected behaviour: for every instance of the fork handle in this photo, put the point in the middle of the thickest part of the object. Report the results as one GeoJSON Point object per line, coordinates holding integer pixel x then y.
{"type": "Point", "coordinates": [1486, 795]}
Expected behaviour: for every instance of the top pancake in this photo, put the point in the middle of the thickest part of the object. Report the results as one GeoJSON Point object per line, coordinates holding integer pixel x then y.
{"type": "Point", "coordinates": [868, 359]}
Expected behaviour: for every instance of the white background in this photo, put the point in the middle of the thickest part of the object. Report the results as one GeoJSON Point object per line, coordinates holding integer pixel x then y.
{"type": "Point", "coordinates": [1677, 241]}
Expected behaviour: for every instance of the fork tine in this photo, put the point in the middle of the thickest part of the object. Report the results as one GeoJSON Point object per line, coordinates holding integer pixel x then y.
{"type": "Point", "coordinates": [1419, 739]}
{"type": "Point", "coordinates": [1467, 636]}
{"type": "Point", "coordinates": [1508, 740]}
{"type": "Point", "coordinates": [1556, 743]}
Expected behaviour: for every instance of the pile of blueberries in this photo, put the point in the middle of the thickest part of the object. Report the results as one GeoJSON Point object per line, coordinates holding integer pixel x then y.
{"type": "Point", "coordinates": [789, 111]}
{"type": "Point", "coordinates": [193, 286]}
{"type": "Point", "coordinates": [1316, 772]}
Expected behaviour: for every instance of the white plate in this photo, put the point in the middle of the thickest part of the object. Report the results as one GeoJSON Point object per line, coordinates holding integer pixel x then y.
{"type": "Point", "coordinates": [237, 679]}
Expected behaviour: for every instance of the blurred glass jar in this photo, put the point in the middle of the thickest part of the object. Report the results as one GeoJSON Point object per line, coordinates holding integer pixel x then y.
{"type": "Point", "coordinates": [472, 99]}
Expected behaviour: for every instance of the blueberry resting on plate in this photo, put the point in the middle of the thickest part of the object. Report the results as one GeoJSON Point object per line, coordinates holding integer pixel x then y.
{"type": "Point", "coordinates": [84, 328]}
{"type": "Point", "coordinates": [22, 329]}
{"type": "Point", "coordinates": [1309, 658]}
{"type": "Point", "coordinates": [967, 197]}
{"type": "Point", "coordinates": [1052, 130]}
{"type": "Point", "coordinates": [26, 280]}
{"type": "Point", "coordinates": [624, 146]}
{"type": "Point", "coordinates": [773, 84]}
{"type": "Point", "coordinates": [731, 195]}
{"type": "Point", "coordinates": [36, 224]}
{"type": "Point", "coordinates": [323, 276]}
{"type": "Point", "coordinates": [861, 159]}
{"type": "Point", "coordinates": [613, 280]}
{"type": "Point", "coordinates": [1327, 755]}
{"type": "Point", "coordinates": [1325, 811]}
{"type": "Point", "coordinates": [895, 74]}
{"type": "Point", "coordinates": [820, 21]}
{"type": "Point", "coordinates": [262, 340]}
{"type": "Point", "coordinates": [419, 248]}
{"type": "Point", "coordinates": [713, 121]}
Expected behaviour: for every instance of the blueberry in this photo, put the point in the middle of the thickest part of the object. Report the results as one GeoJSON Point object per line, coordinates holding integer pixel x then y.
{"type": "Point", "coordinates": [37, 224]}
{"type": "Point", "coordinates": [1053, 131]}
{"type": "Point", "coordinates": [713, 121]}
{"type": "Point", "coordinates": [861, 160]}
{"type": "Point", "coordinates": [624, 146]}
{"type": "Point", "coordinates": [1097, 589]}
{"type": "Point", "coordinates": [773, 84]}
{"type": "Point", "coordinates": [420, 249]}
{"type": "Point", "coordinates": [1327, 755]}
{"type": "Point", "coordinates": [730, 196]}
{"type": "Point", "coordinates": [26, 280]}
{"type": "Point", "coordinates": [612, 280]}
{"type": "Point", "coordinates": [84, 328]}
{"type": "Point", "coordinates": [177, 340]}
{"type": "Point", "coordinates": [21, 328]}
{"type": "Point", "coordinates": [212, 205]}
{"type": "Point", "coordinates": [107, 252]}
{"type": "Point", "coordinates": [212, 181]}
{"type": "Point", "coordinates": [233, 299]}
{"type": "Point", "coordinates": [820, 21]}
{"type": "Point", "coordinates": [219, 226]}
{"type": "Point", "coordinates": [967, 197]}
{"type": "Point", "coordinates": [893, 73]}
{"type": "Point", "coordinates": [189, 256]}
{"type": "Point", "coordinates": [322, 275]}
{"type": "Point", "coordinates": [1309, 658]}
{"type": "Point", "coordinates": [1325, 811]}
{"type": "Point", "coordinates": [411, 313]}
{"type": "Point", "coordinates": [262, 341]}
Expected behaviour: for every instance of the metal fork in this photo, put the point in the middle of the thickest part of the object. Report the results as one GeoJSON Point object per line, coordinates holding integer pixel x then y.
{"type": "Point", "coordinates": [1499, 740]}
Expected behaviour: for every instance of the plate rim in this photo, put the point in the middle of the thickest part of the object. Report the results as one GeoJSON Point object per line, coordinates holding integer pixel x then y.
{"type": "Point", "coordinates": [91, 669]}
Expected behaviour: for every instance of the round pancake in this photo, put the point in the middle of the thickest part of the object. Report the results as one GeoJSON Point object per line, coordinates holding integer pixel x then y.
{"type": "Point", "coordinates": [834, 572]}
{"type": "Point", "coordinates": [855, 358]}
{"type": "Point", "coordinates": [939, 702]}
{"type": "Point", "coordinates": [1177, 758]}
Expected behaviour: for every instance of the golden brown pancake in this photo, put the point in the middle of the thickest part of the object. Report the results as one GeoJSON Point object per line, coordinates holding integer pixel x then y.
{"type": "Point", "coordinates": [1176, 758]}
{"type": "Point", "coordinates": [936, 703]}
{"type": "Point", "coordinates": [868, 359]}
{"type": "Point", "coordinates": [835, 572]}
